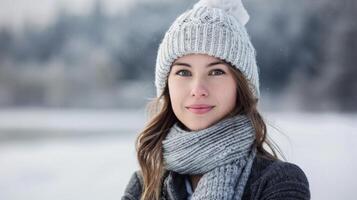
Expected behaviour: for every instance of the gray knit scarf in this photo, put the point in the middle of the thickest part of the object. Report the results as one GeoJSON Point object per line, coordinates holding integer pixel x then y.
{"type": "Point", "coordinates": [223, 153]}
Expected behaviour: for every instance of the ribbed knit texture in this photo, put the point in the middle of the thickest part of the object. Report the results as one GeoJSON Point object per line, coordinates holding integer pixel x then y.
{"type": "Point", "coordinates": [268, 179]}
{"type": "Point", "coordinates": [211, 31]}
{"type": "Point", "coordinates": [223, 153]}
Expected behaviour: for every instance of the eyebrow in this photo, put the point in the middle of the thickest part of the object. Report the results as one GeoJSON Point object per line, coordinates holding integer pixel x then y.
{"type": "Point", "coordinates": [209, 65]}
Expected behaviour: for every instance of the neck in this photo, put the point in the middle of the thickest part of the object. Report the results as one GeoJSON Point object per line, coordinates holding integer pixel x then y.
{"type": "Point", "coordinates": [194, 181]}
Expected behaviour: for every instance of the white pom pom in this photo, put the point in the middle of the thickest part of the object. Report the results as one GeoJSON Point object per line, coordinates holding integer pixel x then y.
{"type": "Point", "coordinates": [235, 7]}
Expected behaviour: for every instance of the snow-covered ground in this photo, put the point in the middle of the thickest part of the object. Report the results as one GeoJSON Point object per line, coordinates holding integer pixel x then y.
{"type": "Point", "coordinates": [47, 164]}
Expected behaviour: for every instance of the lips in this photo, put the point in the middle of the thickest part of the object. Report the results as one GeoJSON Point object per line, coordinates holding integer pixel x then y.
{"type": "Point", "coordinates": [200, 108]}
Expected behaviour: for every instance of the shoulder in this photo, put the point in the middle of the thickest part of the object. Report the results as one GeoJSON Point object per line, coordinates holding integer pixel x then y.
{"type": "Point", "coordinates": [275, 179]}
{"type": "Point", "coordinates": [134, 187]}
{"type": "Point", "coordinates": [278, 170]}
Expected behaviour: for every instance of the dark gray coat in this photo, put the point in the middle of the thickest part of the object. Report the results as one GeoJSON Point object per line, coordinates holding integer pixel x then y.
{"type": "Point", "coordinates": [268, 180]}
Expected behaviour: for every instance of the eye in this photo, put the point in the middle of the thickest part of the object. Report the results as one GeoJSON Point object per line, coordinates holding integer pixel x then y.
{"type": "Point", "coordinates": [183, 73]}
{"type": "Point", "coordinates": [217, 72]}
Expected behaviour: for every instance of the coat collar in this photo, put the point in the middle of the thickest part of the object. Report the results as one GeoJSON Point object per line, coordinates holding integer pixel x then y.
{"type": "Point", "coordinates": [174, 186]}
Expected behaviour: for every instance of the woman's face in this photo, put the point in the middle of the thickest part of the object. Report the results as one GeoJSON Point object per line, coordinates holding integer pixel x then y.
{"type": "Point", "coordinates": [202, 90]}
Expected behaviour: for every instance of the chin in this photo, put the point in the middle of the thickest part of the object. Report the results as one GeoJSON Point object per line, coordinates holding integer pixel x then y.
{"type": "Point", "coordinates": [196, 124]}
{"type": "Point", "coordinates": [198, 127]}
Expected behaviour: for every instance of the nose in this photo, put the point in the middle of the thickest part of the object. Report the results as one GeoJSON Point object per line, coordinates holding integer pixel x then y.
{"type": "Point", "coordinates": [199, 90]}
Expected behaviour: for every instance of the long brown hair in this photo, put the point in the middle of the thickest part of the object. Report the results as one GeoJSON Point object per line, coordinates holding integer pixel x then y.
{"type": "Point", "coordinates": [162, 117]}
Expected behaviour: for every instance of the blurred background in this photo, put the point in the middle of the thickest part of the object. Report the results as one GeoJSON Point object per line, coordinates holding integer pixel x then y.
{"type": "Point", "coordinates": [75, 76]}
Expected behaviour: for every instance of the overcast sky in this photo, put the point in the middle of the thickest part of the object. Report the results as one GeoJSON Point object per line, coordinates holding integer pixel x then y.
{"type": "Point", "coordinates": [13, 13]}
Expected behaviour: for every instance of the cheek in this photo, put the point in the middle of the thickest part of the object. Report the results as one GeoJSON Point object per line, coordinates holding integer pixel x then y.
{"type": "Point", "coordinates": [233, 99]}
{"type": "Point", "coordinates": [175, 94]}
{"type": "Point", "coordinates": [177, 88]}
{"type": "Point", "coordinates": [228, 98]}
{"type": "Point", "coordinates": [228, 94]}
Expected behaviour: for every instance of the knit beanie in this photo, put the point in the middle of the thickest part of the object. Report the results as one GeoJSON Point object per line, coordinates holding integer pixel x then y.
{"type": "Point", "coordinates": [212, 27]}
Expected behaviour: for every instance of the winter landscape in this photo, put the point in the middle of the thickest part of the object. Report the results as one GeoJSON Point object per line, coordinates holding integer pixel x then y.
{"type": "Point", "coordinates": [75, 76]}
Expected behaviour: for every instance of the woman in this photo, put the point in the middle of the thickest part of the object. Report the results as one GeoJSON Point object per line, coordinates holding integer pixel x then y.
{"type": "Point", "coordinates": [206, 139]}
